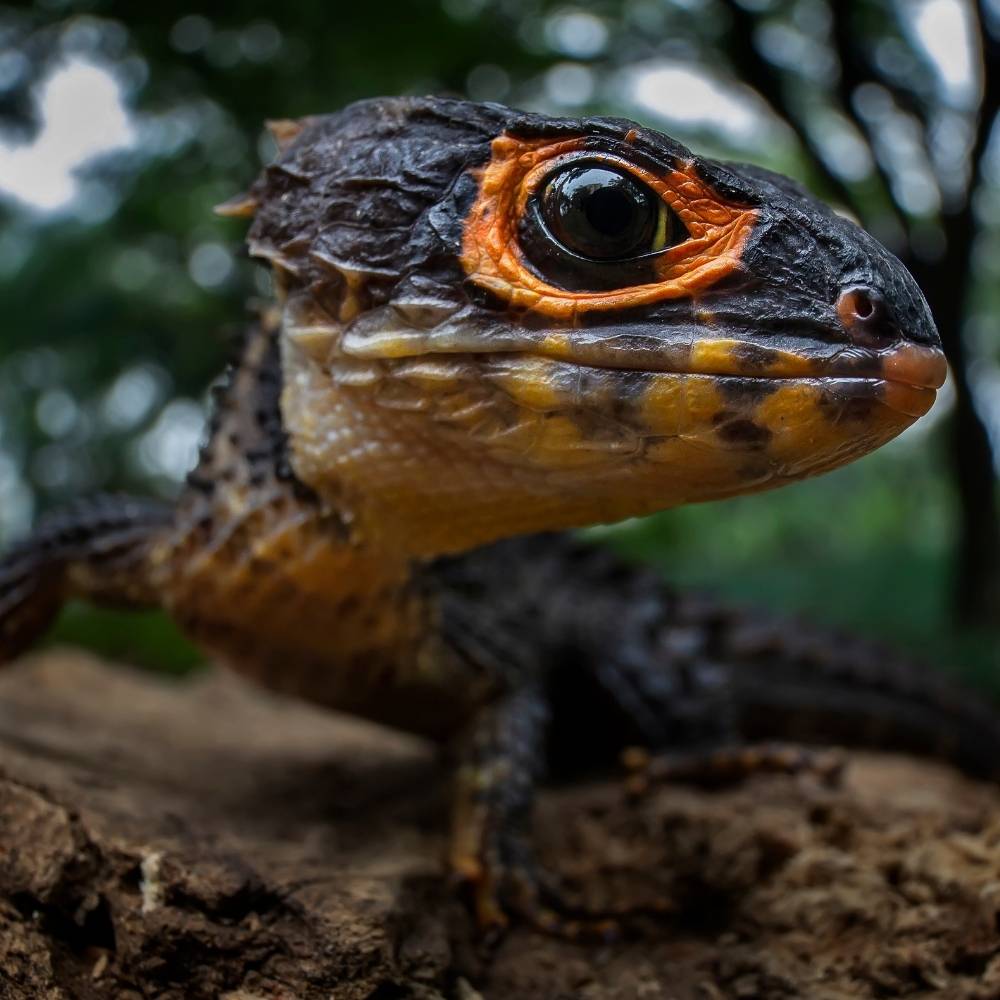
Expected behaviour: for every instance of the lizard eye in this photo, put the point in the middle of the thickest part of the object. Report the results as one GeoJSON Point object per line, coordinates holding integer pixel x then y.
{"type": "Point", "coordinates": [604, 214]}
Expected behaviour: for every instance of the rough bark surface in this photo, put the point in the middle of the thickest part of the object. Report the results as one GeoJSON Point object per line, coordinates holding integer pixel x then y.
{"type": "Point", "coordinates": [203, 839]}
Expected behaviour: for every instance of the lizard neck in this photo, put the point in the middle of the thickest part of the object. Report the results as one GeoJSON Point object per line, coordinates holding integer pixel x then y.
{"type": "Point", "coordinates": [333, 615]}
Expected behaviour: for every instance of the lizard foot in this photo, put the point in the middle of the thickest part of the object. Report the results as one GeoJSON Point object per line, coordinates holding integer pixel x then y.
{"type": "Point", "coordinates": [515, 888]}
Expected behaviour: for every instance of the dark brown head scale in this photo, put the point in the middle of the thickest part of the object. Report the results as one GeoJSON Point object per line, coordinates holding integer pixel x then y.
{"type": "Point", "coordinates": [820, 274]}
{"type": "Point", "coordinates": [346, 208]}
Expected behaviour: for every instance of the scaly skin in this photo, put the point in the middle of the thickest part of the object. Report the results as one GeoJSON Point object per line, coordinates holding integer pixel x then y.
{"type": "Point", "coordinates": [462, 358]}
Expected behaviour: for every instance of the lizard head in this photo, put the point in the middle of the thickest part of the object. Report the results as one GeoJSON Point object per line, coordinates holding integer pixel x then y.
{"type": "Point", "coordinates": [496, 322]}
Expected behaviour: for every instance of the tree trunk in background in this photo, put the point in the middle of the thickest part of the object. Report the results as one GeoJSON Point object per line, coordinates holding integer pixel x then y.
{"type": "Point", "coordinates": [946, 283]}
{"type": "Point", "coordinates": [949, 285]}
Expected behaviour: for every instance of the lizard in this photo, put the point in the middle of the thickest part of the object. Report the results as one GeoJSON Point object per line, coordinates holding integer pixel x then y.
{"type": "Point", "coordinates": [492, 327]}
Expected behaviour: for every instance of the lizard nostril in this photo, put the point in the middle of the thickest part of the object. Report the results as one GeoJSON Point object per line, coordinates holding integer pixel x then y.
{"type": "Point", "coordinates": [863, 305]}
{"type": "Point", "coordinates": [863, 314]}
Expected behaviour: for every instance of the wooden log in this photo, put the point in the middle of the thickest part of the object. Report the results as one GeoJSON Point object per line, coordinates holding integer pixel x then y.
{"type": "Point", "coordinates": [202, 839]}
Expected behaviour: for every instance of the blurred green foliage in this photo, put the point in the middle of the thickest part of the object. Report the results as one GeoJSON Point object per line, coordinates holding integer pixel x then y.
{"type": "Point", "coordinates": [118, 309]}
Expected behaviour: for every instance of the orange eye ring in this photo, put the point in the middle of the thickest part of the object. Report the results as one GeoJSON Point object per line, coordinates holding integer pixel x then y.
{"type": "Point", "coordinates": [493, 258]}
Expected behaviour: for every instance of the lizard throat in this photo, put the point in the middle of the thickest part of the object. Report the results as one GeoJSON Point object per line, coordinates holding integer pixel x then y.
{"type": "Point", "coordinates": [439, 454]}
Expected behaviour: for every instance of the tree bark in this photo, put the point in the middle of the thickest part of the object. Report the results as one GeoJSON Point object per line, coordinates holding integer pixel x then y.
{"type": "Point", "coordinates": [205, 840]}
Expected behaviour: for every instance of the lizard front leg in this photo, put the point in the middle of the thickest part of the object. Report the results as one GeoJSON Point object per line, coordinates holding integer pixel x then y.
{"type": "Point", "coordinates": [500, 759]}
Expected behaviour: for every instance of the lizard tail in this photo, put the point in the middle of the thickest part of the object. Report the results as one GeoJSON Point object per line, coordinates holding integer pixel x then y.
{"type": "Point", "coordinates": [96, 549]}
{"type": "Point", "coordinates": [790, 682]}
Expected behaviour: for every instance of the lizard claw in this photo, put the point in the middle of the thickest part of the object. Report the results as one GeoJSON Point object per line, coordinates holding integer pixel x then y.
{"type": "Point", "coordinates": [517, 890]}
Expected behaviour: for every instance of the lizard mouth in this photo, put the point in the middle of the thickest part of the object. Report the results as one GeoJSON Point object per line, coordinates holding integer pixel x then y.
{"type": "Point", "coordinates": [908, 365]}
{"type": "Point", "coordinates": [685, 352]}
{"type": "Point", "coordinates": [902, 376]}
{"type": "Point", "coordinates": [641, 418]}
{"type": "Point", "coordinates": [905, 377]}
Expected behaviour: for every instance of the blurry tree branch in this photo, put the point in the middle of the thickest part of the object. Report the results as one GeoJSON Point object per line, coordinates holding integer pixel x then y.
{"type": "Point", "coordinates": [769, 82]}
{"type": "Point", "coordinates": [856, 70]}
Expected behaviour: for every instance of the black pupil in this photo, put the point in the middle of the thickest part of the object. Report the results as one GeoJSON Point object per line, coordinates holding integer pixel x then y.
{"type": "Point", "coordinates": [609, 211]}
{"type": "Point", "coordinates": [600, 213]}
